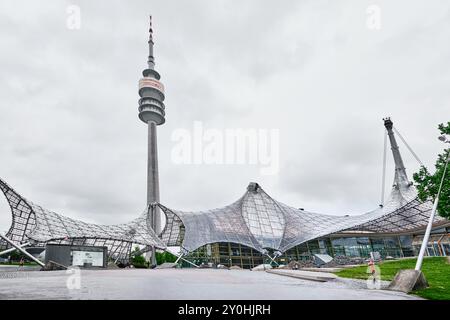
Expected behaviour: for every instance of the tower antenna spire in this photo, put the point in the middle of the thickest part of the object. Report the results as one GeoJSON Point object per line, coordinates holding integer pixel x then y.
{"type": "Point", "coordinates": [151, 58]}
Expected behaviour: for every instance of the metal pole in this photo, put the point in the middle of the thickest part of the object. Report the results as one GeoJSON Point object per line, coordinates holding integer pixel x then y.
{"type": "Point", "coordinates": [426, 237]}
{"type": "Point", "coordinates": [22, 250]}
{"type": "Point", "coordinates": [190, 262]}
{"type": "Point", "coordinates": [179, 257]}
{"type": "Point", "coordinates": [13, 249]}
{"type": "Point", "coordinates": [273, 259]}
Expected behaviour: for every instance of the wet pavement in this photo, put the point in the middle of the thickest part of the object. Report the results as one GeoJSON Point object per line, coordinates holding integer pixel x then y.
{"type": "Point", "coordinates": [197, 284]}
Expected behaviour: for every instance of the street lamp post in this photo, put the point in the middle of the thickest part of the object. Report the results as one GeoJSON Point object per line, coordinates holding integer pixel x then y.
{"type": "Point", "coordinates": [426, 237]}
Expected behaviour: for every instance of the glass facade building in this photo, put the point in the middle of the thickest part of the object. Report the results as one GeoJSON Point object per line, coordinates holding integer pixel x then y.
{"type": "Point", "coordinates": [393, 246]}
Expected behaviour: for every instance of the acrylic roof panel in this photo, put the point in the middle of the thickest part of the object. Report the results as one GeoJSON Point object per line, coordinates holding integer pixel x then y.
{"type": "Point", "coordinates": [258, 221]}
{"type": "Point", "coordinates": [217, 225]}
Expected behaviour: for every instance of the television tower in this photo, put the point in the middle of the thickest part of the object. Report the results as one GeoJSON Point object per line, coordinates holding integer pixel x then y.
{"type": "Point", "coordinates": [151, 112]}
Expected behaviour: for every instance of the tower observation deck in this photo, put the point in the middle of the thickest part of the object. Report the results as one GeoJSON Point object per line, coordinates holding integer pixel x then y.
{"type": "Point", "coordinates": [152, 112]}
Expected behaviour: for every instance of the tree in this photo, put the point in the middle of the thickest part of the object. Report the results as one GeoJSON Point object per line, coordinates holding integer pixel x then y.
{"type": "Point", "coordinates": [165, 256]}
{"type": "Point", "coordinates": [138, 260]}
{"type": "Point", "coordinates": [15, 256]}
{"type": "Point", "coordinates": [428, 184]}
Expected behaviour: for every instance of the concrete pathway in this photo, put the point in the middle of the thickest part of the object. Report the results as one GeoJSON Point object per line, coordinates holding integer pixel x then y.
{"type": "Point", "coordinates": [198, 284]}
{"type": "Point", "coordinates": [305, 275]}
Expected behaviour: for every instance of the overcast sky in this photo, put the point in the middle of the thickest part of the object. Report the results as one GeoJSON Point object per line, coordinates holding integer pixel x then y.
{"type": "Point", "coordinates": [71, 140]}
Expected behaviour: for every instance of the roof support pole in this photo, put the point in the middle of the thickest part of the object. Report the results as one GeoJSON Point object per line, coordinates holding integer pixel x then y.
{"type": "Point", "coordinates": [39, 262]}
{"type": "Point", "coordinates": [13, 249]}
{"type": "Point", "coordinates": [190, 262]}
{"type": "Point", "coordinates": [180, 257]}
{"type": "Point", "coordinates": [426, 236]}
{"type": "Point", "coordinates": [273, 259]}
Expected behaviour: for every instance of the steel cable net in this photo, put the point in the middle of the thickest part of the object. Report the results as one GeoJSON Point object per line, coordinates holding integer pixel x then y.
{"type": "Point", "coordinates": [31, 222]}
{"type": "Point", "coordinates": [258, 221]}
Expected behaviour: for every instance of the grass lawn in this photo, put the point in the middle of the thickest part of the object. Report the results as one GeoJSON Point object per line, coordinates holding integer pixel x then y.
{"type": "Point", "coordinates": [436, 270]}
{"type": "Point", "coordinates": [16, 264]}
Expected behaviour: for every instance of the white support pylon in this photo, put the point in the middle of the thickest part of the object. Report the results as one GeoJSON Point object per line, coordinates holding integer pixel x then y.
{"type": "Point", "coordinates": [39, 262]}
{"type": "Point", "coordinates": [426, 236]}
{"type": "Point", "coordinates": [190, 262]}
{"type": "Point", "coordinates": [273, 259]}
{"type": "Point", "coordinates": [178, 258]}
{"type": "Point", "coordinates": [14, 249]}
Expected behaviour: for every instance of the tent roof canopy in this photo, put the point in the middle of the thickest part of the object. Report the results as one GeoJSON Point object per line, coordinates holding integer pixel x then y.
{"type": "Point", "coordinates": [258, 221]}
{"type": "Point", "coordinates": [32, 222]}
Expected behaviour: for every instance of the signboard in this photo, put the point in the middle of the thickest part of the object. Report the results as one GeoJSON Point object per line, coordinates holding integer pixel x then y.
{"type": "Point", "coordinates": [151, 83]}
{"type": "Point", "coordinates": [94, 258]}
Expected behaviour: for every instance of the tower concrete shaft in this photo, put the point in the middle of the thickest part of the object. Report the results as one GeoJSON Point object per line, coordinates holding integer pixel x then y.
{"type": "Point", "coordinates": [401, 178]}
{"type": "Point", "coordinates": [153, 176]}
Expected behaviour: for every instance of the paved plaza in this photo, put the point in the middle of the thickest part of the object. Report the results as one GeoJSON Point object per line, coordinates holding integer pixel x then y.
{"type": "Point", "coordinates": [197, 284]}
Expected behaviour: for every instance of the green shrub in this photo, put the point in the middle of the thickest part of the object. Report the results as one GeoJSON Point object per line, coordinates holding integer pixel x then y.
{"type": "Point", "coordinates": [162, 257]}
{"type": "Point", "coordinates": [138, 260]}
